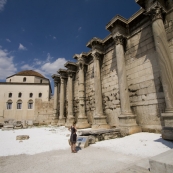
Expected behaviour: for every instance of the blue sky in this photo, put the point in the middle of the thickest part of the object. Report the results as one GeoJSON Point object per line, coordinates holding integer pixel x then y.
{"type": "Point", "coordinates": [43, 34]}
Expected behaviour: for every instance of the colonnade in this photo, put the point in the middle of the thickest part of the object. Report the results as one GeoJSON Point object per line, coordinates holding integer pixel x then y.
{"type": "Point", "coordinates": [127, 119]}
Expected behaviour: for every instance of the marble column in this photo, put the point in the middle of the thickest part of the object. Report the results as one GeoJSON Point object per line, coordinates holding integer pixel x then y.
{"type": "Point", "coordinates": [56, 101]}
{"type": "Point", "coordinates": [61, 121]}
{"type": "Point", "coordinates": [99, 118]}
{"type": "Point", "coordinates": [70, 117]}
{"type": "Point", "coordinates": [127, 119]}
{"type": "Point", "coordinates": [82, 121]}
{"type": "Point", "coordinates": [166, 68]}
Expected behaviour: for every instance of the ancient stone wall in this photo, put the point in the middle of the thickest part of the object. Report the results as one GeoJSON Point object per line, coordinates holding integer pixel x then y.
{"type": "Point", "coordinates": [145, 88]}
{"type": "Point", "coordinates": [111, 100]}
{"type": "Point", "coordinates": [90, 91]}
{"type": "Point", "coordinates": [43, 111]}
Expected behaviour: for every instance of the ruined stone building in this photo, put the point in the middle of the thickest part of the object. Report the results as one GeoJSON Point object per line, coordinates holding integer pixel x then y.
{"type": "Point", "coordinates": [26, 96]}
{"type": "Point", "coordinates": [126, 79]}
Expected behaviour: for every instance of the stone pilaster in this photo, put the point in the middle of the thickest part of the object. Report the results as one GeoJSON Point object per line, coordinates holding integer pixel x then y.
{"type": "Point", "coordinates": [82, 121]}
{"type": "Point", "coordinates": [166, 67]}
{"type": "Point", "coordinates": [127, 119]}
{"type": "Point", "coordinates": [56, 99]}
{"type": "Point", "coordinates": [70, 117]}
{"type": "Point", "coordinates": [99, 118]}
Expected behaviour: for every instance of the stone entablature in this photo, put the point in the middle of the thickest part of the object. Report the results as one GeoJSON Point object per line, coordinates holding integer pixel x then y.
{"type": "Point", "coordinates": [125, 79]}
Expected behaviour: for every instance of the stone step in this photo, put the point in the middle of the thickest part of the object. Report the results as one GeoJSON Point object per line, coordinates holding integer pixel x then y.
{"type": "Point", "coordinates": [135, 169]}
{"type": "Point", "coordinates": [162, 163]}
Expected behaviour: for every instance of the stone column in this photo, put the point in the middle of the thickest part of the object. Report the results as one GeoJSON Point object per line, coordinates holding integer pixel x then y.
{"type": "Point", "coordinates": [166, 68]}
{"type": "Point", "coordinates": [99, 117]}
{"type": "Point", "coordinates": [54, 117]}
{"type": "Point", "coordinates": [127, 119]}
{"type": "Point", "coordinates": [56, 100]}
{"type": "Point", "coordinates": [70, 117]}
{"type": "Point", "coordinates": [82, 121]}
{"type": "Point", "coordinates": [61, 121]}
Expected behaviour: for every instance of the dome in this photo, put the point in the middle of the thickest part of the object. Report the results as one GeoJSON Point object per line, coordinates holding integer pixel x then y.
{"type": "Point", "coordinates": [29, 73]}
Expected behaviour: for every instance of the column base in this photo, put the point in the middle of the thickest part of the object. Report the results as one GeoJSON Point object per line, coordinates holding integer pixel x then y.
{"type": "Point", "coordinates": [61, 122]}
{"type": "Point", "coordinates": [82, 123]}
{"type": "Point", "coordinates": [167, 131]}
{"type": "Point", "coordinates": [69, 121]}
{"type": "Point", "coordinates": [127, 123]}
{"type": "Point", "coordinates": [129, 130]}
{"type": "Point", "coordinates": [100, 123]}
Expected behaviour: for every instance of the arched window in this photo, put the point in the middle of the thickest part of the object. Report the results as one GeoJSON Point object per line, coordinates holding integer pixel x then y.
{"type": "Point", "coordinates": [20, 95]}
{"type": "Point", "coordinates": [19, 104]}
{"type": "Point", "coordinates": [10, 95]}
{"type": "Point", "coordinates": [31, 95]}
{"type": "Point", "coordinates": [40, 95]}
{"type": "Point", "coordinates": [9, 104]}
{"type": "Point", "coordinates": [24, 79]}
{"type": "Point", "coordinates": [41, 80]}
{"type": "Point", "coordinates": [30, 104]}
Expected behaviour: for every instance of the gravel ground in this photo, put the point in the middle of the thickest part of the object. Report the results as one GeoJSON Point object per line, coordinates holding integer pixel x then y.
{"type": "Point", "coordinates": [47, 151]}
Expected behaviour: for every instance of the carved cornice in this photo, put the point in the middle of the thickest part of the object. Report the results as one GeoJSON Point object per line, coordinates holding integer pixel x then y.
{"type": "Point", "coordinates": [56, 79]}
{"type": "Point", "coordinates": [94, 41]}
{"type": "Point", "coordinates": [117, 19]}
{"type": "Point", "coordinates": [71, 66]}
{"type": "Point", "coordinates": [63, 73]}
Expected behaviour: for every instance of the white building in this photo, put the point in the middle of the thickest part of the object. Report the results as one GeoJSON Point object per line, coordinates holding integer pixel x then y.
{"type": "Point", "coordinates": [20, 94]}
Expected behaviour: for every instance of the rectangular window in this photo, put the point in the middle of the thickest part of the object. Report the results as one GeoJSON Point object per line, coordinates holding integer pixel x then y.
{"type": "Point", "coordinates": [19, 105]}
{"type": "Point", "coordinates": [9, 105]}
{"type": "Point", "coordinates": [30, 105]}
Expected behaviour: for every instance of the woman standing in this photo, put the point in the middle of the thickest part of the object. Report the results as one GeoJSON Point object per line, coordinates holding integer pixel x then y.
{"type": "Point", "coordinates": [73, 137]}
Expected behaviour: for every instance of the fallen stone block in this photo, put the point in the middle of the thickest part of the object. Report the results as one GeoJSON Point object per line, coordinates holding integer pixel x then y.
{"type": "Point", "coordinates": [162, 163]}
{"type": "Point", "coordinates": [6, 129]}
{"type": "Point", "coordinates": [22, 137]}
{"type": "Point", "coordinates": [8, 126]}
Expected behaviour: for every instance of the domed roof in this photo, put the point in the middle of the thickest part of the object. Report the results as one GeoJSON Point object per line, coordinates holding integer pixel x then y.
{"type": "Point", "coordinates": [29, 73]}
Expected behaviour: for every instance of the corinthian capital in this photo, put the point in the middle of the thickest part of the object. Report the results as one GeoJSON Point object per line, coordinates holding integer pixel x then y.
{"type": "Point", "coordinates": [119, 39]}
{"type": "Point", "coordinates": [70, 73]}
{"type": "Point", "coordinates": [156, 13]}
{"type": "Point", "coordinates": [96, 55]}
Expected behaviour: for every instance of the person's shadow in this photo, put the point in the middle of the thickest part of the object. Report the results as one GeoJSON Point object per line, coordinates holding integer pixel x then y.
{"type": "Point", "coordinates": [78, 147]}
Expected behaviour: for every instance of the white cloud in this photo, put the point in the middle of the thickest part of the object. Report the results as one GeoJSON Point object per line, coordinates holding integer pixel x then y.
{"type": "Point", "coordinates": [8, 40]}
{"type": "Point", "coordinates": [79, 28]}
{"type": "Point", "coordinates": [2, 4]}
{"type": "Point", "coordinates": [21, 47]}
{"type": "Point", "coordinates": [52, 67]}
{"type": "Point", "coordinates": [54, 37]}
{"type": "Point", "coordinates": [49, 58]}
{"type": "Point", "coordinates": [46, 67]}
{"type": "Point", "coordinates": [7, 67]}
{"type": "Point", "coordinates": [27, 67]}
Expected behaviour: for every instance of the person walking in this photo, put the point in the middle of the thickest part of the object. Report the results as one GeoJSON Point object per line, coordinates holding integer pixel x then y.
{"type": "Point", "coordinates": [73, 137]}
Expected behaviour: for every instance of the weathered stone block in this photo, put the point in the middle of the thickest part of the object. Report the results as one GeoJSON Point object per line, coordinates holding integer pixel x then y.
{"type": "Point", "coordinates": [162, 163]}
{"type": "Point", "coordinates": [22, 137]}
